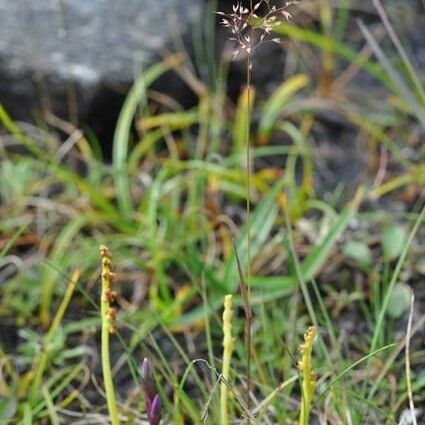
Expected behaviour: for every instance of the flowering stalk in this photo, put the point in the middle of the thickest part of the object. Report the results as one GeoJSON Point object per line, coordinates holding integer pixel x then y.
{"type": "Point", "coordinates": [152, 400]}
{"type": "Point", "coordinates": [227, 355]}
{"type": "Point", "coordinates": [308, 377]}
{"type": "Point", "coordinates": [108, 315]}
{"type": "Point", "coordinates": [250, 27]}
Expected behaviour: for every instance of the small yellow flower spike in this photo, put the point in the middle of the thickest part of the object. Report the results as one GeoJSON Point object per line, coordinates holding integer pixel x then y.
{"type": "Point", "coordinates": [227, 355]}
{"type": "Point", "coordinates": [108, 295]}
{"type": "Point", "coordinates": [307, 374]}
{"type": "Point", "coordinates": [108, 315]}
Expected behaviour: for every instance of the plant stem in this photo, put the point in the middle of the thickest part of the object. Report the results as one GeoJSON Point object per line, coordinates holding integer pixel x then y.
{"type": "Point", "coordinates": [248, 318]}
{"type": "Point", "coordinates": [248, 227]}
{"type": "Point", "coordinates": [41, 363]}
{"type": "Point", "coordinates": [248, 324]}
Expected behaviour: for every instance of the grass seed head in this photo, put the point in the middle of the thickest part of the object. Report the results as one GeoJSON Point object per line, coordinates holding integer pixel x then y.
{"type": "Point", "coordinates": [250, 28]}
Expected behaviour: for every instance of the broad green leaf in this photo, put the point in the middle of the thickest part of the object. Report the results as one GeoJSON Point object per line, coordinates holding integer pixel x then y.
{"type": "Point", "coordinates": [393, 239]}
{"type": "Point", "coordinates": [359, 252]}
{"type": "Point", "coordinates": [399, 301]}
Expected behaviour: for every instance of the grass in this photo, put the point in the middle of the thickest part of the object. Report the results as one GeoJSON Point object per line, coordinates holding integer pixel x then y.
{"type": "Point", "coordinates": [172, 210]}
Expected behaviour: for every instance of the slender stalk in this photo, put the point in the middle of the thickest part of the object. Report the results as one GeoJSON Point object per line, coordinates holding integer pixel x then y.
{"type": "Point", "coordinates": [108, 327]}
{"type": "Point", "coordinates": [407, 363]}
{"type": "Point", "coordinates": [248, 323]}
{"type": "Point", "coordinates": [242, 21]}
{"type": "Point", "coordinates": [248, 319]}
{"type": "Point", "coordinates": [42, 362]}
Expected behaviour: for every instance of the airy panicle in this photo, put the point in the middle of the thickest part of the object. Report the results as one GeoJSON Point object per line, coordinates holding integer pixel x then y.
{"type": "Point", "coordinates": [252, 26]}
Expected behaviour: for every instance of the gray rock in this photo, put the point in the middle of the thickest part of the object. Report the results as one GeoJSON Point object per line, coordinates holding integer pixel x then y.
{"type": "Point", "coordinates": [56, 52]}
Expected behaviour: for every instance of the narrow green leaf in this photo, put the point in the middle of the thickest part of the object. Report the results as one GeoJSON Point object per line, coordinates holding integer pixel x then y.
{"type": "Point", "coordinates": [262, 221]}
{"type": "Point", "coordinates": [319, 255]}
{"type": "Point", "coordinates": [394, 277]}
{"type": "Point", "coordinates": [277, 102]}
{"type": "Point", "coordinates": [173, 120]}
{"type": "Point", "coordinates": [123, 128]}
{"type": "Point", "coordinates": [327, 43]}
{"type": "Point", "coordinates": [63, 242]}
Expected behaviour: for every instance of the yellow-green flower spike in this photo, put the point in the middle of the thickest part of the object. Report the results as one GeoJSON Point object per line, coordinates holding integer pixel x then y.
{"type": "Point", "coordinates": [108, 315]}
{"type": "Point", "coordinates": [227, 355]}
{"type": "Point", "coordinates": [307, 375]}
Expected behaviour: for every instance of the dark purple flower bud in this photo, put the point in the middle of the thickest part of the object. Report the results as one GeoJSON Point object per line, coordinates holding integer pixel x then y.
{"type": "Point", "coordinates": [148, 383]}
{"type": "Point", "coordinates": [154, 413]}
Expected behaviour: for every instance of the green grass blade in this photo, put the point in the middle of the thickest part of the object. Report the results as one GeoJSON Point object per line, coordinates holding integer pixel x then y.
{"type": "Point", "coordinates": [54, 418]}
{"type": "Point", "coordinates": [327, 43]}
{"type": "Point", "coordinates": [62, 244]}
{"type": "Point", "coordinates": [319, 255]}
{"type": "Point", "coordinates": [172, 120]}
{"type": "Point", "coordinates": [67, 176]}
{"type": "Point", "coordinates": [380, 321]}
{"type": "Point", "coordinates": [352, 366]}
{"type": "Point", "coordinates": [262, 220]}
{"type": "Point", "coordinates": [9, 244]}
{"type": "Point", "coordinates": [123, 128]}
{"type": "Point", "coordinates": [277, 102]}
{"type": "Point", "coordinates": [401, 86]}
{"type": "Point", "coordinates": [272, 287]}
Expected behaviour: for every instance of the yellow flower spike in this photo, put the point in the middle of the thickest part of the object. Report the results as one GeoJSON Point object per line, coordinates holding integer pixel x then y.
{"type": "Point", "coordinates": [227, 355]}
{"type": "Point", "coordinates": [108, 315]}
{"type": "Point", "coordinates": [307, 375]}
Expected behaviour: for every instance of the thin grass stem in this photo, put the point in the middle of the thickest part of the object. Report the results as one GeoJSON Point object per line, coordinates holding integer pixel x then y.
{"type": "Point", "coordinates": [407, 363]}
{"type": "Point", "coordinates": [42, 362]}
